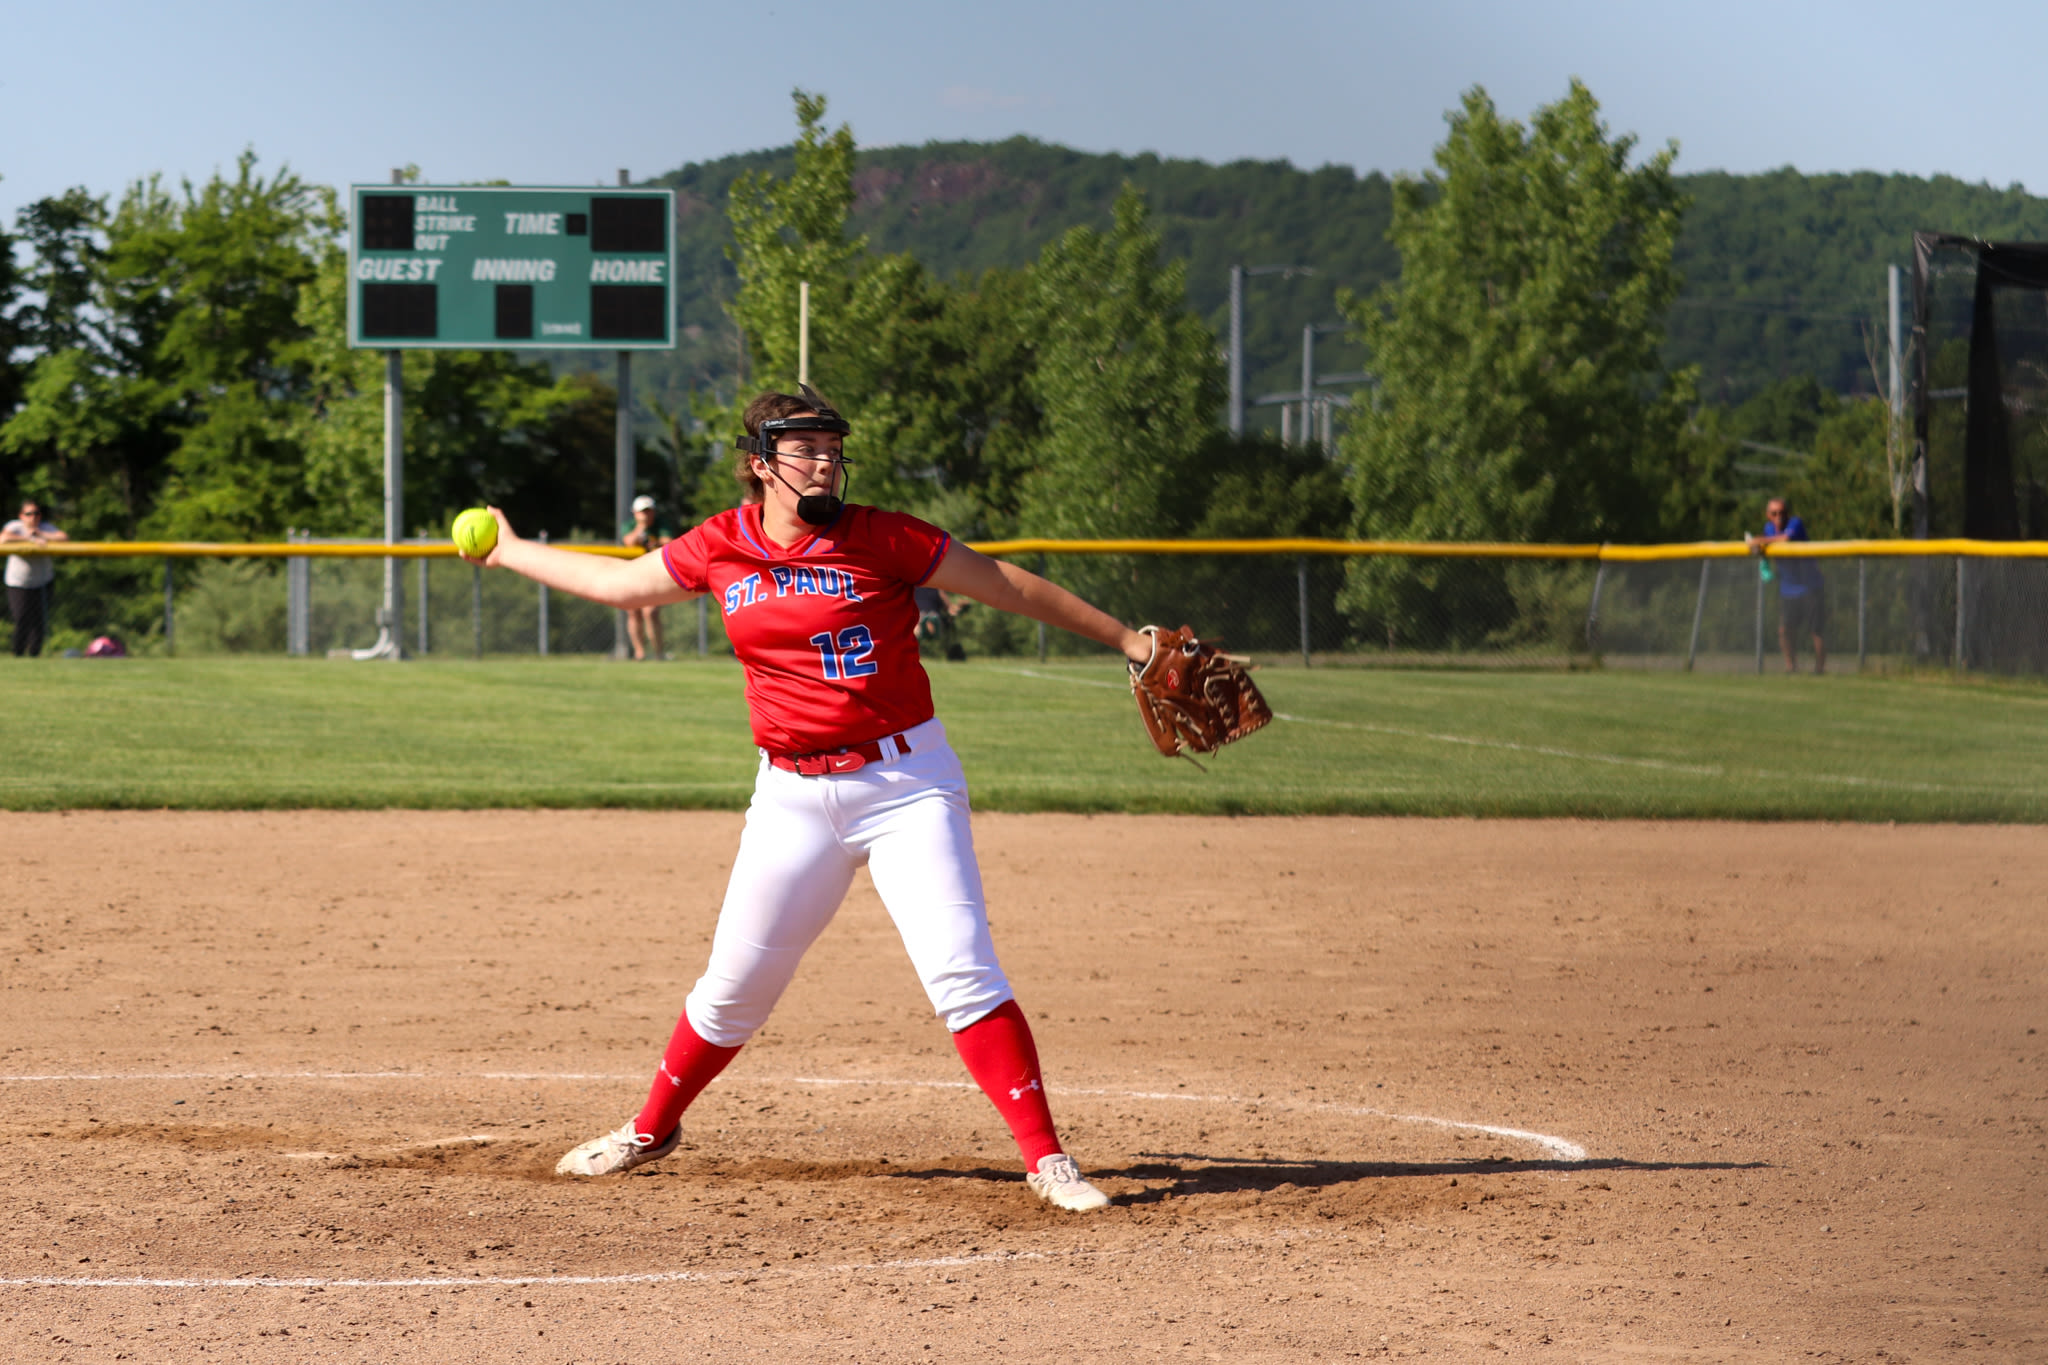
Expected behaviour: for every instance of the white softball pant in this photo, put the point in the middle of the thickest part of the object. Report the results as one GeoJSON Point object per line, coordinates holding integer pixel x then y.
{"type": "Point", "coordinates": [906, 818]}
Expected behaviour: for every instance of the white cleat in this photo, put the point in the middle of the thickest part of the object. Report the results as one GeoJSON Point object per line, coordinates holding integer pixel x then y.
{"type": "Point", "coordinates": [1058, 1182]}
{"type": "Point", "coordinates": [618, 1152]}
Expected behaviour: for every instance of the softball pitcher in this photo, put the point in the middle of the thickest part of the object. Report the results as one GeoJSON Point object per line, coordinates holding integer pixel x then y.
{"type": "Point", "coordinates": [855, 769]}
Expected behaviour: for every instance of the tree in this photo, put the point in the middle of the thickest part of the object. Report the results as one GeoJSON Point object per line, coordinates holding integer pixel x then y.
{"type": "Point", "coordinates": [791, 232]}
{"type": "Point", "coordinates": [1128, 378]}
{"type": "Point", "coordinates": [160, 400]}
{"type": "Point", "coordinates": [231, 261]}
{"type": "Point", "coordinates": [930, 373]}
{"type": "Point", "coordinates": [877, 343]}
{"type": "Point", "coordinates": [1843, 491]}
{"type": "Point", "coordinates": [1521, 395]}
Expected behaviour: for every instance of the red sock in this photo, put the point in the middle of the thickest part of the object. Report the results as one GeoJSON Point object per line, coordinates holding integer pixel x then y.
{"type": "Point", "coordinates": [1004, 1062]}
{"type": "Point", "coordinates": [687, 1067]}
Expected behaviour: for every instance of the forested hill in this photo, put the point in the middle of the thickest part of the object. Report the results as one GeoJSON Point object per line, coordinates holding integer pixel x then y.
{"type": "Point", "coordinates": [1780, 268]}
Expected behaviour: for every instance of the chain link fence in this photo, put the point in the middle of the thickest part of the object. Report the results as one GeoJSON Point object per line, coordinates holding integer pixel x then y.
{"type": "Point", "coordinates": [1882, 613]}
{"type": "Point", "coordinates": [1711, 612]}
{"type": "Point", "coordinates": [1525, 607]}
{"type": "Point", "coordinates": [329, 605]}
{"type": "Point", "coordinates": [1321, 609]}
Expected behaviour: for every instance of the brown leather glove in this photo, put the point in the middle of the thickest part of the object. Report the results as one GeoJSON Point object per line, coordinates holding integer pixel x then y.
{"type": "Point", "coordinates": [1193, 697]}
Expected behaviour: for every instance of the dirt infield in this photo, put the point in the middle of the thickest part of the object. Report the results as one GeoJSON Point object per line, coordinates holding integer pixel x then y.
{"type": "Point", "coordinates": [1361, 1088]}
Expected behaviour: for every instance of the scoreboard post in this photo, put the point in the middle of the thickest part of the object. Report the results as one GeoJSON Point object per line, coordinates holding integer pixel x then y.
{"type": "Point", "coordinates": [498, 267]}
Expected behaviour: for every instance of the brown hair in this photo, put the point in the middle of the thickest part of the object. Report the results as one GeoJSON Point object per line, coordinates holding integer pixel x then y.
{"type": "Point", "coordinates": [766, 407]}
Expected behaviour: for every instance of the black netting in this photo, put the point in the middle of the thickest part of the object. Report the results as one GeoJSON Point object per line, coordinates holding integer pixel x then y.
{"type": "Point", "coordinates": [1981, 386]}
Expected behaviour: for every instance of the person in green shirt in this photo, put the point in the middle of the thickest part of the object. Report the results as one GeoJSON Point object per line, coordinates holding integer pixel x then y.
{"type": "Point", "coordinates": [648, 532]}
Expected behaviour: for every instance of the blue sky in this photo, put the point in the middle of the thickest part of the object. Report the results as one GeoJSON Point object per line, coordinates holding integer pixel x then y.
{"type": "Point", "coordinates": [558, 94]}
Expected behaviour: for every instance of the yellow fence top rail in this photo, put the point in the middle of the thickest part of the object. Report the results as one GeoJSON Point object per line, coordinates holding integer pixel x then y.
{"type": "Point", "coordinates": [1414, 549]}
{"type": "Point", "coordinates": [286, 549]}
{"type": "Point", "coordinates": [1409, 549]}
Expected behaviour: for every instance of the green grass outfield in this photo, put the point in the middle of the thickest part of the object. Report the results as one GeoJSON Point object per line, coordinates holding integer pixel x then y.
{"type": "Point", "coordinates": [268, 733]}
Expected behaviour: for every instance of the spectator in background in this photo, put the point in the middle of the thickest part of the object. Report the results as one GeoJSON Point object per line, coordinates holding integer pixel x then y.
{"type": "Point", "coordinates": [1802, 589]}
{"type": "Point", "coordinates": [30, 579]}
{"type": "Point", "coordinates": [935, 622]}
{"type": "Point", "coordinates": [646, 532]}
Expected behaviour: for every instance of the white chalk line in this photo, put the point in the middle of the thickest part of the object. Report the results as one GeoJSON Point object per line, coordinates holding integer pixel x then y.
{"type": "Point", "coordinates": [1580, 755]}
{"type": "Point", "coordinates": [534, 1281]}
{"type": "Point", "coordinates": [1559, 1148]}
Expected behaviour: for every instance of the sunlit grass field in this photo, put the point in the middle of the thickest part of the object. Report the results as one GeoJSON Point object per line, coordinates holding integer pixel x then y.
{"type": "Point", "coordinates": [255, 733]}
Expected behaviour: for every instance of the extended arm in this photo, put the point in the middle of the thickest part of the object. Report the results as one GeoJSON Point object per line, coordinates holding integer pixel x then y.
{"type": "Point", "coordinates": [1006, 587]}
{"type": "Point", "coordinates": [624, 583]}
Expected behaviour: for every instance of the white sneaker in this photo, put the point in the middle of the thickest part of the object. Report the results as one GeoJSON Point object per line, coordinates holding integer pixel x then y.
{"type": "Point", "coordinates": [617, 1152]}
{"type": "Point", "coordinates": [1058, 1182]}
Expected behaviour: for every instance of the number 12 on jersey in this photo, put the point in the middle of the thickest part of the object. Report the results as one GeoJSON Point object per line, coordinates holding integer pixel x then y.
{"type": "Point", "coordinates": [847, 656]}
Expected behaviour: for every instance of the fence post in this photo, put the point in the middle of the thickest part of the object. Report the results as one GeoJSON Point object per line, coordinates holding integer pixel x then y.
{"type": "Point", "coordinates": [298, 581]}
{"type": "Point", "coordinates": [1862, 600]}
{"type": "Point", "coordinates": [544, 608]}
{"type": "Point", "coordinates": [1699, 610]}
{"type": "Point", "coordinates": [170, 646]}
{"type": "Point", "coordinates": [1759, 617]}
{"type": "Point", "coordinates": [476, 607]}
{"type": "Point", "coordinates": [1041, 624]}
{"type": "Point", "coordinates": [1301, 584]}
{"type": "Point", "coordinates": [703, 627]}
{"type": "Point", "coordinates": [1593, 609]}
{"type": "Point", "coordinates": [1959, 614]}
{"type": "Point", "coordinates": [422, 595]}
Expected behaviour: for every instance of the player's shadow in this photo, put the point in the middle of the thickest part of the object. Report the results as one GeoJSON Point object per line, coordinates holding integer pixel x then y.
{"type": "Point", "coordinates": [1171, 1175]}
{"type": "Point", "coordinates": [1228, 1175]}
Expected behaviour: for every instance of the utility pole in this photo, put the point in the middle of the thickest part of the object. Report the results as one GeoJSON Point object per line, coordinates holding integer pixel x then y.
{"type": "Point", "coordinates": [1237, 279]}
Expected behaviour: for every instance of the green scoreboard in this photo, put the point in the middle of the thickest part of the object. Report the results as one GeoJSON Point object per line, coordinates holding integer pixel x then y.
{"type": "Point", "coordinates": [485, 267]}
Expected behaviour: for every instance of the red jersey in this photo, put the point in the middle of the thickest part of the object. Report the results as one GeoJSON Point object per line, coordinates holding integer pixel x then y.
{"type": "Point", "coordinates": [826, 628]}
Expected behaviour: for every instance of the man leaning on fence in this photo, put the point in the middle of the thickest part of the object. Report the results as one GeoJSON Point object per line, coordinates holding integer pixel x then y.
{"type": "Point", "coordinates": [1802, 588]}
{"type": "Point", "coordinates": [30, 578]}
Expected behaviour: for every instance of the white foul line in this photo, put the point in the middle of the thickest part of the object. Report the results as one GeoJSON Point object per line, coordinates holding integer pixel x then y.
{"type": "Point", "coordinates": [1558, 1147]}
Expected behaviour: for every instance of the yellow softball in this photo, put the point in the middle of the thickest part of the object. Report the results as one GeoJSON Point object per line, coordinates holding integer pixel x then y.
{"type": "Point", "coordinates": [475, 532]}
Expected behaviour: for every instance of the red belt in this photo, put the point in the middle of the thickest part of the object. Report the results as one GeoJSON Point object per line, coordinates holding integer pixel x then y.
{"type": "Point", "coordinates": [850, 759]}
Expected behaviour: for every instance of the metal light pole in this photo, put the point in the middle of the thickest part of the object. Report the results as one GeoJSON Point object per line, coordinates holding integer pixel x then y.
{"type": "Point", "coordinates": [1309, 380]}
{"type": "Point", "coordinates": [803, 332]}
{"type": "Point", "coordinates": [1237, 350]}
{"type": "Point", "coordinates": [1237, 278]}
{"type": "Point", "coordinates": [1898, 393]}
